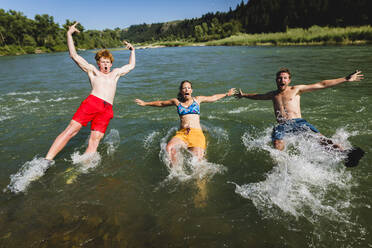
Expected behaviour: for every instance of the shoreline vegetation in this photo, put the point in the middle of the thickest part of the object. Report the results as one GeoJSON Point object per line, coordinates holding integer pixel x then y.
{"type": "Point", "coordinates": [251, 23]}
{"type": "Point", "coordinates": [313, 36]}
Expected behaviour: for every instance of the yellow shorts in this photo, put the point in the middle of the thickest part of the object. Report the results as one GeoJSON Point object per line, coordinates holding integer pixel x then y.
{"type": "Point", "coordinates": [193, 137]}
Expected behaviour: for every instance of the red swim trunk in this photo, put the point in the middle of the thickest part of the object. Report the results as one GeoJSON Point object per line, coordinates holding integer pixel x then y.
{"type": "Point", "coordinates": [96, 110]}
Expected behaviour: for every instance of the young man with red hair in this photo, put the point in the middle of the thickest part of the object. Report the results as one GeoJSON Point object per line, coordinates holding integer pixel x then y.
{"type": "Point", "coordinates": [97, 107]}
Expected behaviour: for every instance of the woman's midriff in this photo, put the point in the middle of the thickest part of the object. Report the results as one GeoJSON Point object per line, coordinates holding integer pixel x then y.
{"type": "Point", "coordinates": [190, 121]}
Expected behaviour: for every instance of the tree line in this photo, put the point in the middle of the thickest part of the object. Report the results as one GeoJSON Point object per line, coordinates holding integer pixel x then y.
{"type": "Point", "coordinates": [19, 34]}
{"type": "Point", "coordinates": [257, 16]}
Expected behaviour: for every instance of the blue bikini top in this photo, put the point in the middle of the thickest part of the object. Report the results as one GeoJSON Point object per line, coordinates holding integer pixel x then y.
{"type": "Point", "coordinates": [194, 108]}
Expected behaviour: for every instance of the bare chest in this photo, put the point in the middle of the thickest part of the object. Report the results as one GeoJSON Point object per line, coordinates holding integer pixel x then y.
{"type": "Point", "coordinates": [103, 80]}
{"type": "Point", "coordinates": [287, 98]}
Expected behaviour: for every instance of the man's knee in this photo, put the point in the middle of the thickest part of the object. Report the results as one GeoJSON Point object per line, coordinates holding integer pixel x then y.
{"type": "Point", "coordinates": [96, 136]}
{"type": "Point", "coordinates": [279, 145]}
{"type": "Point", "coordinates": [72, 129]}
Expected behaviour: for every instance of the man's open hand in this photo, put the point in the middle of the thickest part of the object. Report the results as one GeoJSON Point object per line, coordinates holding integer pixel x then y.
{"type": "Point", "coordinates": [355, 76]}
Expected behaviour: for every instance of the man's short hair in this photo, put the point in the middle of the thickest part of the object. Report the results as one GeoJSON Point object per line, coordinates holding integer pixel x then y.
{"type": "Point", "coordinates": [283, 70]}
{"type": "Point", "coordinates": [105, 54]}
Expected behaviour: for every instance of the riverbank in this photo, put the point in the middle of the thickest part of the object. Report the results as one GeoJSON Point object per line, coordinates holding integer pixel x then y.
{"type": "Point", "coordinates": [314, 36]}
{"type": "Point", "coordinates": [293, 36]}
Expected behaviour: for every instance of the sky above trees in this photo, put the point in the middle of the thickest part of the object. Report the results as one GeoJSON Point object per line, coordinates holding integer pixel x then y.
{"type": "Point", "coordinates": [94, 14]}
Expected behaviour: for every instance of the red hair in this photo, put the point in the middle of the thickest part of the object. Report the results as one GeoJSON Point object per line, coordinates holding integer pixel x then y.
{"type": "Point", "coordinates": [104, 53]}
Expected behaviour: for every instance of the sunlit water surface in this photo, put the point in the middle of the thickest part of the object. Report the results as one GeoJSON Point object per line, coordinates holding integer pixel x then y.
{"type": "Point", "coordinates": [244, 194]}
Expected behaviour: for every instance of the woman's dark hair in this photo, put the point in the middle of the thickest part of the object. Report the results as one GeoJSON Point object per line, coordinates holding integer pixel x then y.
{"type": "Point", "coordinates": [180, 96]}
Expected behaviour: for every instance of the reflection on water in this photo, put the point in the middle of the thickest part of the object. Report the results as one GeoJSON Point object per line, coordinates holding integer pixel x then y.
{"type": "Point", "coordinates": [244, 194]}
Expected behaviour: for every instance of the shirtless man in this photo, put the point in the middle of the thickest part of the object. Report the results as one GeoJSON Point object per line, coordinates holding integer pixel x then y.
{"type": "Point", "coordinates": [97, 107]}
{"type": "Point", "coordinates": [286, 101]}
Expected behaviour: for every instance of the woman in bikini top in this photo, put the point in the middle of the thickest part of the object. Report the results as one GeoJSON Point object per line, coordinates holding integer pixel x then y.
{"type": "Point", "coordinates": [194, 108]}
{"type": "Point", "coordinates": [190, 134]}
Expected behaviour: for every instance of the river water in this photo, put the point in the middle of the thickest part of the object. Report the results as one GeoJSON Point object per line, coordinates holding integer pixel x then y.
{"type": "Point", "coordinates": [245, 194]}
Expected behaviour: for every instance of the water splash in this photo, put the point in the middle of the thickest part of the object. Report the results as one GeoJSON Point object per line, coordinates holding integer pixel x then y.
{"type": "Point", "coordinates": [86, 162]}
{"type": "Point", "coordinates": [148, 141]}
{"type": "Point", "coordinates": [217, 141]}
{"type": "Point", "coordinates": [307, 180]}
{"type": "Point", "coordinates": [188, 166]}
{"type": "Point", "coordinates": [219, 133]}
{"type": "Point", "coordinates": [112, 140]}
{"type": "Point", "coordinates": [29, 172]}
{"type": "Point", "coordinates": [82, 164]}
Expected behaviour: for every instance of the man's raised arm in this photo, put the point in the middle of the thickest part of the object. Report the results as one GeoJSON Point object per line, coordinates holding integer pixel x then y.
{"type": "Point", "coordinates": [132, 61]}
{"type": "Point", "coordinates": [82, 63]}
{"type": "Point", "coordinates": [355, 76]}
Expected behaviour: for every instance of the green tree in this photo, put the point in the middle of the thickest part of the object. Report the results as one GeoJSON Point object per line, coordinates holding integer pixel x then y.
{"type": "Point", "coordinates": [28, 40]}
{"type": "Point", "coordinates": [45, 29]}
{"type": "Point", "coordinates": [199, 33]}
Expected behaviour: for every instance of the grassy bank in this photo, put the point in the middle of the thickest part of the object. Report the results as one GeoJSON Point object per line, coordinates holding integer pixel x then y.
{"type": "Point", "coordinates": [294, 36]}
{"type": "Point", "coordinates": [312, 36]}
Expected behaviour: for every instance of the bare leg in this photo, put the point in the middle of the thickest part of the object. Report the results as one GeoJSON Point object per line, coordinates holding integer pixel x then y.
{"type": "Point", "coordinates": [353, 155]}
{"type": "Point", "coordinates": [172, 147]}
{"type": "Point", "coordinates": [279, 145]}
{"type": "Point", "coordinates": [95, 138]}
{"type": "Point", "coordinates": [329, 143]}
{"type": "Point", "coordinates": [59, 143]}
{"type": "Point", "coordinates": [197, 152]}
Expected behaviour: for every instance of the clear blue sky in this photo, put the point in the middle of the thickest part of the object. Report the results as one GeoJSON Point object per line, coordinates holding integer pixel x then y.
{"type": "Point", "coordinates": [101, 14]}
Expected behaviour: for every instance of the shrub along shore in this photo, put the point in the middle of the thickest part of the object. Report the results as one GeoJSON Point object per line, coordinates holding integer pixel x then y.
{"type": "Point", "coordinates": [297, 36]}
{"type": "Point", "coordinates": [315, 35]}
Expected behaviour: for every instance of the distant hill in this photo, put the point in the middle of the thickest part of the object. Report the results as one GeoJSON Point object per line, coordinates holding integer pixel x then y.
{"type": "Point", "coordinates": [257, 16]}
